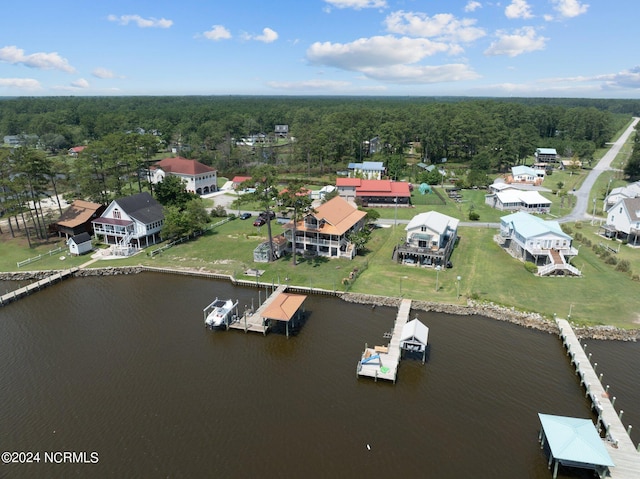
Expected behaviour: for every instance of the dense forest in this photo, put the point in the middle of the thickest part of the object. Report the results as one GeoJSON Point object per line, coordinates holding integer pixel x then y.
{"type": "Point", "coordinates": [123, 135]}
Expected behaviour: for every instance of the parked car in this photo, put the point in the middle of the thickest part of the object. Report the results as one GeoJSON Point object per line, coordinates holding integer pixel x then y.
{"type": "Point", "coordinates": [271, 214]}
{"type": "Point", "coordinates": [259, 221]}
{"type": "Point", "coordinates": [245, 216]}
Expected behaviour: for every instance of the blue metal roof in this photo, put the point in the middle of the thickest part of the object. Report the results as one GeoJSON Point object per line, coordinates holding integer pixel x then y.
{"type": "Point", "coordinates": [574, 440]}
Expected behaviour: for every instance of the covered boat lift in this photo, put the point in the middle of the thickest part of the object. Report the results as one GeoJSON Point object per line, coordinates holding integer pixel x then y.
{"type": "Point", "coordinates": [574, 442]}
{"type": "Point", "coordinates": [284, 307]}
{"type": "Point", "coordinates": [414, 337]}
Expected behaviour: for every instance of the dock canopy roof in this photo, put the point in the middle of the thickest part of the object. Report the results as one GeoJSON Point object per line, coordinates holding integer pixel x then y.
{"type": "Point", "coordinates": [574, 442]}
{"type": "Point", "coordinates": [284, 306]}
{"type": "Point", "coordinates": [414, 333]}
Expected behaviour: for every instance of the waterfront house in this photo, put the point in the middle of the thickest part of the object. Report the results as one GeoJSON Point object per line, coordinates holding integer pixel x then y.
{"type": "Point", "coordinates": [513, 199]}
{"type": "Point", "coordinates": [197, 177]}
{"type": "Point", "coordinates": [281, 131]}
{"type": "Point", "coordinates": [325, 231]}
{"type": "Point", "coordinates": [623, 220]}
{"type": "Point", "coordinates": [79, 244]}
{"type": "Point", "coordinates": [130, 223]}
{"type": "Point", "coordinates": [77, 218]}
{"type": "Point", "coordinates": [430, 239]}
{"type": "Point", "coordinates": [530, 238]}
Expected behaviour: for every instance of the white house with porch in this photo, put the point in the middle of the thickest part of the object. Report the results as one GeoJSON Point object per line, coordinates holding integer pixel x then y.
{"type": "Point", "coordinates": [130, 223]}
{"type": "Point", "coordinates": [430, 239]}
{"type": "Point", "coordinates": [530, 238]}
{"type": "Point", "coordinates": [325, 231]}
{"type": "Point", "coordinates": [630, 191]}
{"type": "Point", "coordinates": [518, 200]}
{"type": "Point", "coordinates": [525, 174]}
{"type": "Point", "coordinates": [623, 220]}
{"type": "Point", "coordinates": [197, 177]}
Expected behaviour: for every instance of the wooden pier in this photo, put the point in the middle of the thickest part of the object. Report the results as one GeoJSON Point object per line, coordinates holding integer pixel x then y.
{"type": "Point", "coordinates": [279, 306]}
{"type": "Point", "coordinates": [36, 286]}
{"type": "Point", "coordinates": [381, 362]}
{"type": "Point", "coordinates": [617, 441]}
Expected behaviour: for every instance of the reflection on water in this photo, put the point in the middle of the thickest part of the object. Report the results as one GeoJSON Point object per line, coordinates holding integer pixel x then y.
{"type": "Point", "coordinates": [125, 367]}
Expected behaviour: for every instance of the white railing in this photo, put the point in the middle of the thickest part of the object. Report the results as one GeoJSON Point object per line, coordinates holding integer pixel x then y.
{"type": "Point", "coordinates": [40, 256]}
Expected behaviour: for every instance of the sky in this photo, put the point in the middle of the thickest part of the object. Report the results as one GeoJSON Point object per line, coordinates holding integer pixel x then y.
{"type": "Point", "coordinates": [519, 48]}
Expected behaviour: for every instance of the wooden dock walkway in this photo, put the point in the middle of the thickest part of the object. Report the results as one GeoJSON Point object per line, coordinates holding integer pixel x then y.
{"type": "Point", "coordinates": [253, 321]}
{"type": "Point", "coordinates": [36, 286]}
{"type": "Point", "coordinates": [617, 441]}
{"type": "Point", "coordinates": [386, 367]}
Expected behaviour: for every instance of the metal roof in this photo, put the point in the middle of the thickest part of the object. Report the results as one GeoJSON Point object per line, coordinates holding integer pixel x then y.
{"type": "Point", "coordinates": [574, 440]}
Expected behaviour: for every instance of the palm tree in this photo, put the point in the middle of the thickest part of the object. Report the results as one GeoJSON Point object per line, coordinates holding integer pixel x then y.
{"type": "Point", "coordinates": [297, 200]}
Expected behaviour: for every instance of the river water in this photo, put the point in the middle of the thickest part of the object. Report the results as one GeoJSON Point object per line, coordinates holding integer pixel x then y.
{"type": "Point", "coordinates": [123, 367]}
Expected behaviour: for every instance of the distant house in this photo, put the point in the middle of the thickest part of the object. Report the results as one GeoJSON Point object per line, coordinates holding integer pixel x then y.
{"type": "Point", "coordinates": [368, 170]}
{"type": "Point", "coordinates": [620, 193]}
{"type": "Point", "coordinates": [76, 150]}
{"type": "Point", "coordinates": [430, 239]}
{"type": "Point", "coordinates": [526, 174]}
{"type": "Point", "coordinates": [512, 199]}
{"type": "Point", "coordinates": [15, 141]}
{"type": "Point", "coordinates": [77, 218]}
{"type": "Point", "coordinates": [238, 180]}
{"type": "Point", "coordinates": [282, 131]}
{"type": "Point", "coordinates": [570, 164]}
{"type": "Point", "coordinates": [541, 242]}
{"type": "Point", "coordinates": [130, 223]}
{"type": "Point", "coordinates": [325, 231]}
{"type": "Point", "coordinates": [375, 192]}
{"type": "Point", "coordinates": [546, 155]}
{"type": "Point", "coordinates": [623, 220]}
{"type": "Point", "coordinates": [79, 244]}
{"type": "Point", "coordinates": [198, 178]}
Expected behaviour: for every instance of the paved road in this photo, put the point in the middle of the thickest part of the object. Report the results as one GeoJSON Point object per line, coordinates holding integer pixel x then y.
{"type": "Point", "coordinates": [582, 194]}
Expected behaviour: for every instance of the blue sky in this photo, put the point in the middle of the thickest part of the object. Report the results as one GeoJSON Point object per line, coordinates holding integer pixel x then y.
{"type": "Point", "coordinates": [556, 48]}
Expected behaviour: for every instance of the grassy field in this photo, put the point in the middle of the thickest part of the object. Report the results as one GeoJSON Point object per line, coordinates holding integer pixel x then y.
{"type": "Point", "coordinates": [486, 272]}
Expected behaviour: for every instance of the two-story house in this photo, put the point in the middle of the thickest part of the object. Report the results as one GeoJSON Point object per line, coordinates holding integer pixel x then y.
{"type": "Point", "coordinates": [197, 177]}
{"type": "Point", "coordinates": [369, 170]}
{"type": "Point", "coordinates": [530, 238]}
{"type": "Point", "coordinates": [375, 192]}
{"type": "Point", "coordinates": [623, 220]}
{"type": "Point", "coordinates": [130, 223]}
{"type": "Point", "coordinates": [325, 231]}
{"type": "Point", "coordinates": [430, 239]}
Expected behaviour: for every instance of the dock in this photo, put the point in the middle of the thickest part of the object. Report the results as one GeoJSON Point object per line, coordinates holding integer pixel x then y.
{"type": "Point", "coordinates": [381, 362]}
{"type": "Point", "coordinates": [617, 440]}
{"type": "Point", "coordinates": [279, 306]}
{"type": "Point", "coordinates": [36, 286]}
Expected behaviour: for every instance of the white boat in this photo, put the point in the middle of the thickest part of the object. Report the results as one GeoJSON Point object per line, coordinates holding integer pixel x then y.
{"type": "Point", "coordinates": [219, 312]}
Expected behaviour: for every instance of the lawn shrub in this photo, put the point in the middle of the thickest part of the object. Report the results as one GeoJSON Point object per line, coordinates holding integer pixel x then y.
{"type": "Point", "coordinates": [611, 260]}
{"type": "Point", "coordinates": [578, 236]}
{"type": "Point", "coordinates": [623, 266]}
{"type": "Point", "coordinates": [530, 267]}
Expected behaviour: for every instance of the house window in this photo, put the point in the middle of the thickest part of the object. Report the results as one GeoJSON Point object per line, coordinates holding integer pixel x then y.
{"type": "Point", "coordinates": [116, 214]}
{"type": "Point", "coordinates": [423, 228]}
{"type": "Point", "coordinates": [621, 209]}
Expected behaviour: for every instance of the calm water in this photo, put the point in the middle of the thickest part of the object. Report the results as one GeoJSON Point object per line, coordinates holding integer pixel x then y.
{"type": "Point", "coordinates": [123, 366]}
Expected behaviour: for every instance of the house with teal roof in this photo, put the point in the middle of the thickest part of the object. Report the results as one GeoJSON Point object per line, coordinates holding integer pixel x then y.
{"type": "Point", "coordinates": [542, 242]}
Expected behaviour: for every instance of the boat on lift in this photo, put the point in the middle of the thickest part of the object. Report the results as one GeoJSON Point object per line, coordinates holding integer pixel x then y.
{"type": "Point", "coordinates": [219, 313]}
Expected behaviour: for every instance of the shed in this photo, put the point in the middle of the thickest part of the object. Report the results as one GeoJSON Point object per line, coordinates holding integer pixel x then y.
{"type": "Point", "coordinates": [414, 337]}
{"type": "Point", "coordinates": [79, 244]}
{"type": "Point", "coordinates": [574, 442]}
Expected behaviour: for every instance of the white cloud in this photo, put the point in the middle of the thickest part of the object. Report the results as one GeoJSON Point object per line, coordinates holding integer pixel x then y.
{"type": "Point", "coordinates": [357, 4]}
{"type": "Point", "coordinates": [80, 83]}
{"type": "Point", "coordinates": [376, 52]}
{"type": "Point", "coordinates": [103, 73]}
{"type": "Point", "coordinates": [307, 85]}
{"type": "Point", "coordinates": [416, 74]}
{"type": "Point", "coordinates": [472, 6]}
{"type": "Point", "coordinates": [626, 79]}
{"type": "Point", "coordinates": [150, 22]}
{"type": "Point", "coordinates": [42, 61]}
{"type": "Point", "coordinates": [443, 26]}
{"type": "Point", "coordinates": [569, 8]}
{"type": "Point", "coordinates": [523, 40]}
{"type": "Point", "coordinates": [268, 36]}
{"type": "Point", "coordinates": [20, 83]}
{"type": "Point", "coordinates": [518, 9]}
{"type": "Point", "coordinates": [217, 32]}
